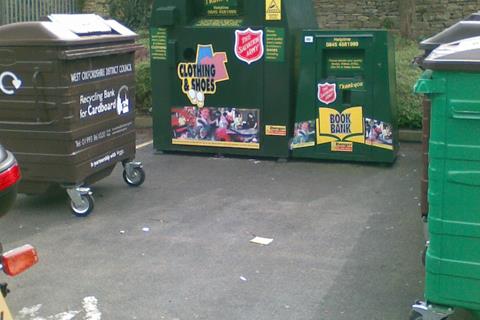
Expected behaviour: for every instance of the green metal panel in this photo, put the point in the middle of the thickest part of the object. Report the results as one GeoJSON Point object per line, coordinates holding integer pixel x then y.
{"type": "Point", "coordinates": [346, 106]}
{"type": "Point", "coordinates": [453, 258]}
{"type": "Point", "coordinates": [244, 103]}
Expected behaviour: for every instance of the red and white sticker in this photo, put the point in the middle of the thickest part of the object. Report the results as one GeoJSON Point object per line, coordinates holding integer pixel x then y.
{"type": "Point", "coordinates": [327, 92]}
{"type": "Point", "coordinates": [249, 45]}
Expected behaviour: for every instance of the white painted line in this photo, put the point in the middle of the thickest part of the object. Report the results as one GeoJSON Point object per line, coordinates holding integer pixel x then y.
{"type": "Point", "coordinates": [64, 315]}
{"type": "Point", "coordinates": [143, 145]}
{"type": "Point", "coordinates": [91, 309]}
{"type": "Point", "coordinates": [30, 312]}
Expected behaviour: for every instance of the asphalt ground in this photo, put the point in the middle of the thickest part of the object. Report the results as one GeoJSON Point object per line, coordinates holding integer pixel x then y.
{"type": "Point", "coordinates": [347, 242]}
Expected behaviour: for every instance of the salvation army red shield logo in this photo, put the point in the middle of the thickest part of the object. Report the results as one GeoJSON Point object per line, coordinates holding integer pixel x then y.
{"type": "Point", "coordinates": [249, 45]}
{"type": "Point", "coordinates": [327, 92]}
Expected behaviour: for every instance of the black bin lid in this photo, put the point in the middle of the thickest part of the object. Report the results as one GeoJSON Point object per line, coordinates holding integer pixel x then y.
{"type": "Point", "coordinates": [468, 28]}
{"type": "Point", "coordinates": [66, 29]}
{"type": "Point", "coordinates": [462, 55]}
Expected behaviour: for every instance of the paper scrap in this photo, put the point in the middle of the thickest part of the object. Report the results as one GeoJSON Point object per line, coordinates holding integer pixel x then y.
{"type": "Point", "coordinates": [262, 241]}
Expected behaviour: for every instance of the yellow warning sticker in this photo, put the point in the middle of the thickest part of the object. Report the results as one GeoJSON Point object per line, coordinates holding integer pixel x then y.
{"type": "Point", "coordinates": [273, 10]}
{"type": "Point", "coordinates": [342, 146]}
{"type": "Point", "coordinates": [280, 131]}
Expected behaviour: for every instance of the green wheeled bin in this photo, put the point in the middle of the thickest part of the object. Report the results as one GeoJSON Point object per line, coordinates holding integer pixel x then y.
{"type": "Point", "coordinates": [453, 256]}
{"type": "Point", "coordinates": [223, 74]}
{"type": "Point", "coordinates": [467, 28]}
{"type": "Point", "coordinates": [346, 104]}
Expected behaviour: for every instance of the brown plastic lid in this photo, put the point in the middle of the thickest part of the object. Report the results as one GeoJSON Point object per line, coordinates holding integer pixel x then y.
{"type": "Point", "coordinates": [65, 30]}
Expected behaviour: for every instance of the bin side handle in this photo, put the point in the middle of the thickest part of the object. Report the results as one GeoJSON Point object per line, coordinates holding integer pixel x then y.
{"type": "Point", "coordinates": [35, 89]}
{"type": "Point", "coordinates": [430, 86]}
{"type": "Point", "coordinates": [21, 123]}
{"type": "Point", "coordinates": [465, 114]}
{"type": "Point", "coordinates": [469, 178]}
{"type": "Point", "coordinates": [98, 51]}
{"type": "Point", "coordinates": [35, 77]}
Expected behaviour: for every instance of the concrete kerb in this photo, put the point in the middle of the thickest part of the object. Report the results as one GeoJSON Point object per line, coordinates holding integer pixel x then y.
{"type": "Point", "coordinates": [145, 122]}
{"type": "Point", "coordinates": [406, 135]}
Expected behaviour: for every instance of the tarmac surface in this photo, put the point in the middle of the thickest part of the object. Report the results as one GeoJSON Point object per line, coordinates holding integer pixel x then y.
{"type": "Point", "coordinates": [347, 241]}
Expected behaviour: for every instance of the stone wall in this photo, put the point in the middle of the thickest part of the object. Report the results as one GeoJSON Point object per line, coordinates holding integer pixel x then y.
{"type": "Point", "coordinates": [99, 7]}
{"type": "Point", "coordinates": [334, 14]}
{"type": "Point", "coordinates": [436, 15]}
{"type": "Point", "coordinates": [431, 17]}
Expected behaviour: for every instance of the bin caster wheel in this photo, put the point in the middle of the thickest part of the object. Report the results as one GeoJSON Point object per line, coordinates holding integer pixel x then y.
{"type": "Point", "coordinates": [417, 316]}
{"type": "Point", "coordinates": [423, 311]}
{"type": "Point", "coordinates": [84, 207]}
{"type": "Point", "coordinates": [414, 315]}
{"type": "Point", "coordinates": [135, 177]}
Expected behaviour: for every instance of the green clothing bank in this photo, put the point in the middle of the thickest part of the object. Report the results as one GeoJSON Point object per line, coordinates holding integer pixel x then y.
{"type": "Point", "coordinates": [234, 77]}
